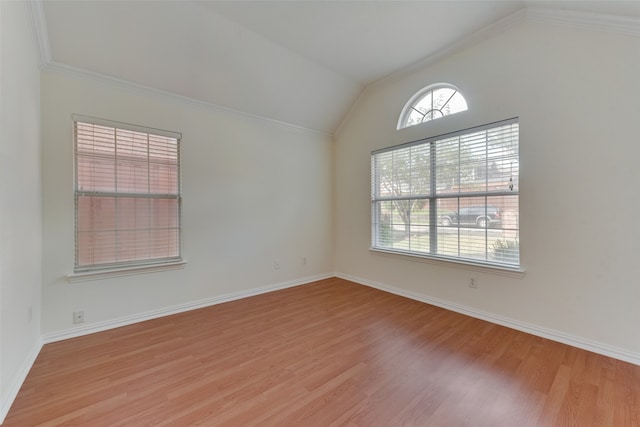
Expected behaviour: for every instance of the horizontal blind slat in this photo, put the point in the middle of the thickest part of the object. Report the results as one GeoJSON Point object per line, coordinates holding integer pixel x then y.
{"type": "Point", "coordinates": [475, 200]}
{"type": "Point", "coordinates": [127, 196]}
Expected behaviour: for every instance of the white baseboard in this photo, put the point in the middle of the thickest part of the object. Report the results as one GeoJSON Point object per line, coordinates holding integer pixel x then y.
{"type": "Point", "coordinates": [18, 379]}
{"type": "Point", "coordinates": [551, 334]}
{"type": "Point", "coordinates": [180, 308]}
{"type": "Point", "coordinates": [554, 335]}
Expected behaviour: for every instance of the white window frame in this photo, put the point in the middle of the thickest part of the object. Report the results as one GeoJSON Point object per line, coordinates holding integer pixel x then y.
{"type": "Point", "coordinates": [151, 263]}
{"type": "Point", "coordinates": [432, 196]}
{"type": "Point", "coordinates": [410, 106]}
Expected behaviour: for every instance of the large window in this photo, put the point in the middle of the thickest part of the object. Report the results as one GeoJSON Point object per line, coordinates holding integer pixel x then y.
{"type": "Point", "coordinates": [127, 195]}
{"type": "Point", "coordinates": [454, 196]}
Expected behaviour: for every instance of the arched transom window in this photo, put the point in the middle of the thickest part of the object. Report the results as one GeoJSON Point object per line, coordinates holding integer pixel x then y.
{"type": "Point", "coordinates": [431, 103]}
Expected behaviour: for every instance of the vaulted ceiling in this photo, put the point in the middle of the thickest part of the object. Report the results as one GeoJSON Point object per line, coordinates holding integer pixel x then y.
{"type": "Point", "coordinates": [299, 62]}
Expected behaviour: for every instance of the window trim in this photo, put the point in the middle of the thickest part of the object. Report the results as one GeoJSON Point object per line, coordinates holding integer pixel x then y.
{"type": "Point", "coordinates": [477, 265]}
{"type": "Point", "coordinates": [126, 126]}
{"type": "Point", "coordinates": [115, 269]}
{"type": "Point", "coordinates": [408, 106]}
{"type": "Point", "coordinates": [85, 276]}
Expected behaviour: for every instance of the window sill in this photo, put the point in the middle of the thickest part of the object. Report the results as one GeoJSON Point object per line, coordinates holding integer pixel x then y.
{"type": "Point", "coordinates": [127, 271]}
{"type": "Point", "coordinates": [515, 272]}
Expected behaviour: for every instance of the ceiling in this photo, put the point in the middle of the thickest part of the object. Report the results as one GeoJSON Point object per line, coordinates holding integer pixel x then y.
{"type": "Point", "coordinates": [299, 62]}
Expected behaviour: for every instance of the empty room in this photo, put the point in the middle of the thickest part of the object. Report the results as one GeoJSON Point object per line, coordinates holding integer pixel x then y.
{"type": "Point", "coordinates": [319, 213]}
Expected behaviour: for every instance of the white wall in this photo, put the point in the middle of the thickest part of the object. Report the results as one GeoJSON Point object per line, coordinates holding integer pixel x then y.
{"type": "Point", "coordinates": [253, 192]}
{"type": "Point", "coordinates": [20, 213]}
{"type": "Point", "coordinates": [577, 94]}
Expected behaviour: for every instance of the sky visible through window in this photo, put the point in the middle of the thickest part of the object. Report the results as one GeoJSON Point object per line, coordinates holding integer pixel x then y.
{"type": "Point", "coordinates": [434, 104]}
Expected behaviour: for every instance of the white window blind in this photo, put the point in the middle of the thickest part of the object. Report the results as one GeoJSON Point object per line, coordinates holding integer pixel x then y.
{"type": "Point", "coordinates": [127, 195]}
{"type": "Point", "coordinates": [453, 196]}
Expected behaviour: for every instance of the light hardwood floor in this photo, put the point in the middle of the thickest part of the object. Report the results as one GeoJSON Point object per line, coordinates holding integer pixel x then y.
{"type": "Point", "coordinates": [328, 353]}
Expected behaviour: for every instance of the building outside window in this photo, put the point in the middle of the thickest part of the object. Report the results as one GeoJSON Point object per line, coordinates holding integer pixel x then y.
{"type": "Point", "coordinates": [453, 197]}
{"type": "Point", "coordinates": [127, 195]}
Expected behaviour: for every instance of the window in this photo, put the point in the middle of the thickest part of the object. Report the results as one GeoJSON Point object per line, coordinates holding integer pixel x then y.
{"type": "Point", "coordinates": [127, 195]}
{"type": "Point", "coordinates": [431, 103]}
{"type": "Point", "coordinates": [453, 196]}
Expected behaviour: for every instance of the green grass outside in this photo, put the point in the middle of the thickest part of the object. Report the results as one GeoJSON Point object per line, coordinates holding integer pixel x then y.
{"type": "Point", "coordinates": [473, 246]}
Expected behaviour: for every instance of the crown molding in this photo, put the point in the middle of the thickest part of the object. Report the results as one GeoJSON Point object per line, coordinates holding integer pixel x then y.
{"type": "Point", "coordinates": [585, 21]}
{"type": "Point", "coordinates": [483, 33]}
{"type": "Point", "coordinates": [566, 18]}
{"type": "Point", "coordinates": [492, 29]}
{"type": "Point", "coordinates": [36, 15]}
{"type": "Point", "coordinates": [35, 12]}
{"type": "Point", "coordinates": [572, 19]}
{"type": "Point", "coordinates": [69, 70]}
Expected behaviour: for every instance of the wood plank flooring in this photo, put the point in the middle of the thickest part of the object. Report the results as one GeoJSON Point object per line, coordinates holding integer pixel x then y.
{"type": "Point", "coordinates": [331, 353]}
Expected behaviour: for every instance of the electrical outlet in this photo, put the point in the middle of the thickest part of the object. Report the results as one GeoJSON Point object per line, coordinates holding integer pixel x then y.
{"type": "Point", "coordinates": [276, 265]}
{"type": "Point", "coordinates": [473, 282]}
{"type": "Point", "coordinates": [304, 260]}
{"type": "Point", "coordinates": [78, 316]}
